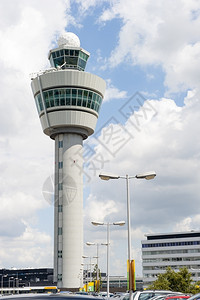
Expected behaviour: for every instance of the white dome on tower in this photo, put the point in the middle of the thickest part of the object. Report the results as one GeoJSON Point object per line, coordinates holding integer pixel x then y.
{"type": "Point", "coordinates": [69, 39]}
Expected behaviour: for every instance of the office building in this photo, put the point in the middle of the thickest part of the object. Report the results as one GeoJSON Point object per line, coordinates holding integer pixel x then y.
{"type": "Point", "coordinates": [177, 250]}
{"type": "Point", "coordinates": [68, 101]}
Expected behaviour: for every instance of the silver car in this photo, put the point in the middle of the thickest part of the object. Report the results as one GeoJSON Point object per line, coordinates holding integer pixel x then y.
{"type": "Point", "coordinates": [145, 295]}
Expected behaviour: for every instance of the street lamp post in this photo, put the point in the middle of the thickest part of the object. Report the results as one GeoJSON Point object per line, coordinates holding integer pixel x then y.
{"type": "Point", "coordinates": [121, 223]}
{"type": "Point", "coordinates": [80, 276]}
{"type": "Point", "coordinates": [91, 264]}
{"type": "Point", "coordinates": [84, 256]}
{"type": "Point", "coordinates": [18, 283]}
{"type": "Point", "coordinates": [9, 279]}
{"type": "Point", "coordinates": [97, 257]}
{"type": "Point", "coordinates": [148, 176]}
{"type": "Point", "coordinates": [2, 276]}
{"type": "Point", "coordinates": [85, 279]}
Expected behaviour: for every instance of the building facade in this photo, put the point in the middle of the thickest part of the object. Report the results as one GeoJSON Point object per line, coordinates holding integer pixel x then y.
{"type": "Point", "coordinates": [68, 101]}
{"type": "Point", "coordinates": [40, 280]}
{"type": "Point", "coordinates": [177, 250]}
{"type": "Point", "coordinates": [26, 277]}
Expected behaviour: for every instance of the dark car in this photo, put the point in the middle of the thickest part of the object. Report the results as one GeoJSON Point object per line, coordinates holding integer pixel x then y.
{"type": "Point", "coordinates": [58, 296]}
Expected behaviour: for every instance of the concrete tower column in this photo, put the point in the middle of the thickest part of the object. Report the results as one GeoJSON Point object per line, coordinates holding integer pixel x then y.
{"type": "Point", "coordinates": [68, 225]}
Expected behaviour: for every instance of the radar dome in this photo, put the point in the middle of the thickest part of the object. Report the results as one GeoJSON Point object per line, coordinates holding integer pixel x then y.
{"type": "Point", "coordinates": [69, 39]}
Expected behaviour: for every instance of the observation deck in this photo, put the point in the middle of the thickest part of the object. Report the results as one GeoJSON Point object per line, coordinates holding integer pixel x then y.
{"type": "Point", "coordinates": [68, 99]}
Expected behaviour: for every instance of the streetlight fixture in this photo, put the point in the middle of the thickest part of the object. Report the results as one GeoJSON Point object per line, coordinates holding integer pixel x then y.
{"type": "Point", "coordinates": [121, 223]}
{"type": "Point", "coordinates": [2, 276]}
{"type": "Point", "coordinates": [9, 279]}
{"type": "Point", "coordinates": [80, 276]}
{"type": "Point", "coordinates": [86, 277]}
{"type": "Point", "coordinates": [91, 264]}
{"type": "Point", "coordinates": [147, 176]}
{"type": "Point", "coordinates": [97, 257]}
{"type": "Point", "coordinates": [18, 283]}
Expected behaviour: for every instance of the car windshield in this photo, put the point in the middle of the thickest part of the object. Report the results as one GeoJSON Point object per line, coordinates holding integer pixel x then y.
{"type": "Point", "coordinates": [195, 297]}
{"type": "Point", "coordinates": [160, 297]}
{"type": "Point", "coordinates": [145, 296]}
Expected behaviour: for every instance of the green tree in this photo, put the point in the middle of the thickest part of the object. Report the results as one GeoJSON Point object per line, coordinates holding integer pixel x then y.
{"type": "Point", "coordinates": [174, 281]}
{"type": "Point", "coordinates": [94, 276]}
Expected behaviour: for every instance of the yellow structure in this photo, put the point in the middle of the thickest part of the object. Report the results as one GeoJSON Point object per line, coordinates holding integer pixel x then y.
{"type": "Point", "coordinates": [131, 280]}
{"type": "Point", "coordinates": [88, 287]}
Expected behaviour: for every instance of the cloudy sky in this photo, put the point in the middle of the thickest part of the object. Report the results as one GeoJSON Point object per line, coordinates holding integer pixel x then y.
{"type": "Point", "coordinates": [149, 54]}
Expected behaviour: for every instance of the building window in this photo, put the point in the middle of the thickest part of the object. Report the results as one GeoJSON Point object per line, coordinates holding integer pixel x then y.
{"type": "Point", "coordinates": [59, 277]}
{"type": "Point", "coordinates": [60, 144]}
{"type": "Point", "coordinates": [59, 253]}
{"type": "Point", "coordinates": [60, 165]}
{"type": "Point", "coordinates": [171, 244]}
{"type": "Point", "coordinates": [59, 208]}
{"type": "Point", "coordinates": [59, 230]}
{"type": "Point", "coordinates": [60, 186]}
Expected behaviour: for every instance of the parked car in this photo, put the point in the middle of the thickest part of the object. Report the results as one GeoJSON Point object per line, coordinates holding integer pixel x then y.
{"type": "Point", "coordinates": [119, 294]}
{"type": "Point", "coordinates": [147, 294]}
{"type": "Point", "coordinates": [195, 297]}
{"type": "Point", "coordinates": [58, 296]}
{"type": "Point", "coordinates": [175, 296]}
{"type": "Point", "coordinates": [104, 294]}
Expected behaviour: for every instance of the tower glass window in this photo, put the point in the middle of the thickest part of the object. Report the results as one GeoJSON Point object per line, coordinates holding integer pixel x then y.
{"type": "Point", "coordinates": [67, 97]}
{"type": "Point", "coordinates": [69, 58]}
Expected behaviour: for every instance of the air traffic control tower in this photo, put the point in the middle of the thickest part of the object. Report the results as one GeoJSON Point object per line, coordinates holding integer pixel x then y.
{"type": "Point", "coordinates": [68, 102]}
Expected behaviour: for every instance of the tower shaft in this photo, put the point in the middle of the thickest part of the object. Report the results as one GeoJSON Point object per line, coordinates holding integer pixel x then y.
{"type": "Point", "coordinates": [68, 227]}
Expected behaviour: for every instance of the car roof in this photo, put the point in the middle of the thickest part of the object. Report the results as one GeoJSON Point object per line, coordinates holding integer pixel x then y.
{"type": "Point", "coordinates": [62, 296]}
{"type": "Point", "coordinates": [177, 296]}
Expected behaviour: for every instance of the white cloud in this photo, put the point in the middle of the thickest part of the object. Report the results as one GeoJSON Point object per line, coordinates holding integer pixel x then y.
{"type": "Point", "coordinates": [112, 92]}
{"type": "Point", "coordinates": [184, 225]}
{"type": "Point", "coordinates": [182, 73]}
{"type": "Point", "coordinates": [86, 5]}
{"type": "Point", "coordinates": [188, 224]}
{"type": "Point", "coordinates": [32, 248]}
{"type": "Point", "coordinates": [22, 41]}
{"type": "Point", "coordinates": [99, 210]}
{"type": "Point", "coordinates": [152, 35]}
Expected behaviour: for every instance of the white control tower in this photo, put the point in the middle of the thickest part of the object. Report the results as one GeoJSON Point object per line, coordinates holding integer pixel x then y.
{"type": "Point", "coordinates": [68, 102]}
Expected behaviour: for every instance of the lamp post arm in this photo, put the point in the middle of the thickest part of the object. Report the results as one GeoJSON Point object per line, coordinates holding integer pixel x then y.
{"type": "Point", "coordinates": [127, 177]}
